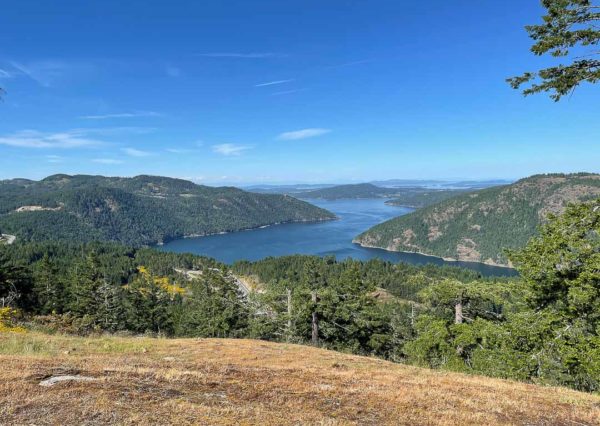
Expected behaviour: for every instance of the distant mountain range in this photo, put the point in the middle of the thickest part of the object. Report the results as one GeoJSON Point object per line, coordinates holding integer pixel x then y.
{"type": "Point", "coordinates": [441, 184]}
{"type": "Point", "coordinates": [285, 189]}
{"type": "Point", "coordinates": [416, 197]}
{"type": "Point", "coordinates": [375, 190]}
{"type": "Point", "coordinates": [137, 211]}
{"type": "Point", "coordinates": [478, 226]}
{"type": "Point", "coordinates": [362, 190]}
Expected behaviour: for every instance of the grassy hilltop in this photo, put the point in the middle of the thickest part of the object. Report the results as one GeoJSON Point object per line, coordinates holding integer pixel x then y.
{"type": "Point", "coordinates": [227, 382]}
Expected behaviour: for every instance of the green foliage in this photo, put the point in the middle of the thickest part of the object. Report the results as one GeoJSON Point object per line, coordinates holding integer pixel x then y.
{"type": "Point", "coordinates": [349, 316]}
{"type": "Point", "coordinates": [562, 265]}
{"type": "Point", "coordinates": [15, 283]}
{"type": "Point", "coordinates": [48, 288]}
{"type": "Point", "coordinates": [479, 226]}
{"type": "Point", "coordinates": [568, 25]}
{"type": "Point", "coordinates": [214, 308]}
{"type": "Point", "coordinates": [137, 211]}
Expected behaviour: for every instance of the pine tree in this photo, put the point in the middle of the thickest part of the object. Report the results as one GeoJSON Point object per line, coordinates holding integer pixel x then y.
{"type": "Point", "coordinates": [568, 25]}
{"type": "Point", "coordinates": [86, 278]}
{"type": "Point", "coordinates": [110, 308]}
{"type": "Point", "coordinates": [48, 287]}
{"type": "Point", "coordinates": [15, 284]}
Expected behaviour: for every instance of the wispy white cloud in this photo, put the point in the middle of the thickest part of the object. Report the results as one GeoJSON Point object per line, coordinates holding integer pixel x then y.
{"type": "Point", "coordinates": [35, 139]}
{"type": "Point", "coordinates": [46, 73]}
{"type": "Point", "coordinates": [136, 152]}
{"type": "Point", "coordinates": [173, 71]}
{"type": "Point", "coordinates": [273, 83]}
{"type": "Point", "coordinates": [5, 74]}
{"type": "Point", "coordinates": [107, 161]}
{"type": "Point", "coordinates": [302, 134]}
{"type": "Point", "coordinates": [251, 55]}
{"type": "Point", "coordinates": [229, 149]}
{"type": "Point", "coordinates": [121, 115]}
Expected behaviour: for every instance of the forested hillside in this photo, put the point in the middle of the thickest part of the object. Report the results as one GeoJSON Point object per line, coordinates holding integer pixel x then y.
{"type": "Point", "coordinates": [479, 226]}
{"type": "Point", "coordinates": [137, 211]}
{"type": "Point", "coordinates": [420, 198]}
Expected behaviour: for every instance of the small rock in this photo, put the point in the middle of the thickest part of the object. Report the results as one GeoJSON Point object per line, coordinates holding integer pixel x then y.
{"type": "Point", "coordinates": [57, 379]}
{"type": "Point", "coordinates": [169, 358]}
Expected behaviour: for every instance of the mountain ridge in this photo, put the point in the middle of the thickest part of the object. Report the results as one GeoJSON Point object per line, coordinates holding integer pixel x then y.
{"type": "Point", "coordinates": [141, 210]}
{"type": "Point", "coordinates": [479, 226]}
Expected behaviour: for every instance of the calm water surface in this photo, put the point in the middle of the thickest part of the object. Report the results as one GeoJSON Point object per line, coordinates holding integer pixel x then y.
{"type": "Point", "coordinates": [323, 238]}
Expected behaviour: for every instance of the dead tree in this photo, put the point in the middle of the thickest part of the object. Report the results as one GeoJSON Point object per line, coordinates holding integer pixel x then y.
{"type": "Point", "coordinates": [315, 320]}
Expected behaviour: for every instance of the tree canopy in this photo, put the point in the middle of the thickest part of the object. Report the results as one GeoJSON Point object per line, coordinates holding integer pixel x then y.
{"type": "Point", "coordinates": [569, 30]}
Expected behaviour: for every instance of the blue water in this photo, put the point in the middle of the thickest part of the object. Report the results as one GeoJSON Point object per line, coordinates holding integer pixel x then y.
{"type": "Point", "coordinates": [322, 238]}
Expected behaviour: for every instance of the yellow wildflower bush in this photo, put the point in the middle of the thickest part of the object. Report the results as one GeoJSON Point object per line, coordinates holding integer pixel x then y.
{"type": "Point", "coordinates": [162, 282]}
{"type": "Point", "coordinates": [6, 321]}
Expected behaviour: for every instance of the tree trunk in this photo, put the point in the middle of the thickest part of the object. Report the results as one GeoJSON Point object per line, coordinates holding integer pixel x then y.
{"type": "Point", "coordinates": [315, 320]}
{"type": "Point", "coordinates": [289, 311]}
{"type": "Point", "coordinates": [458, 313]}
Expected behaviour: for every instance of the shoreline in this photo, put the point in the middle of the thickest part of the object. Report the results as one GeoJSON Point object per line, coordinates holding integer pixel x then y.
{"type": "Point", "coordinates": [446, 259]}
{"type": "Point", "coordinates": [253, 228]}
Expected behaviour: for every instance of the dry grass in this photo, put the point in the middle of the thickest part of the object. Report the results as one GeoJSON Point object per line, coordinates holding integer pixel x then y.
{"type": "Point", "coordinates": [241, 382]}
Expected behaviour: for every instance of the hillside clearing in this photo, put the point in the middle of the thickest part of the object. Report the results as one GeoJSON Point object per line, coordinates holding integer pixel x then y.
{"type": "Point", "coordinates": [7, 239]}
{"type": "Point", "coordinates": [219, 381]}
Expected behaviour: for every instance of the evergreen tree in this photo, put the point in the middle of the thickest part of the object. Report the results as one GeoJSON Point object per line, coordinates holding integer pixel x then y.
{"type": "Point", "coordinates": [15, 284]}
{"type": "Point", "coordinates": [568, 25]}
{"type": "Point", "coordinates": [215, 308]}
{"type": "Point", "coordinates": [148, 305]}
{"type": "Point", "coordinates": [86, 278]}
{"type": "Point", "coordinates": [48, 287]}
{"type": "Point", "coordinates": [110, 306]}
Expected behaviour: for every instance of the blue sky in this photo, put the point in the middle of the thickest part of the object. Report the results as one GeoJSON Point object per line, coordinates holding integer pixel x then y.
{"type": "Point", "coordinates": [244, 92]}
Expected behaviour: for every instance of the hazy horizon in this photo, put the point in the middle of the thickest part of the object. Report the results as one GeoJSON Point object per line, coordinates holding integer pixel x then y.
{"type": "Point", "coordinates": [259, 184]}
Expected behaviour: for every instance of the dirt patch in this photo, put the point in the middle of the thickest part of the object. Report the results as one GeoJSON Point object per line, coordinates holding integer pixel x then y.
{"type": "Point", "coordinates": [445, 214]}
{"type": "Point", "coordinates": [434, 233]}
{"type": "Point", "coordinates": [37, 209]}
{"type": "Point", "coordinates": [404, 242]}
{"type": "Point", "coordinates": [466, 251]}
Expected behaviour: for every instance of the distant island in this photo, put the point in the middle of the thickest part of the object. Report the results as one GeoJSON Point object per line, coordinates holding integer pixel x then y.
{"type": "Point", "coordinates": [479, 226]}
{"type": "Point", "coordinates": [361, 190]}
{"type": "Point", "coordinates": [414, 197]}
{"type": "Point", "coordinates": [137, 211]}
